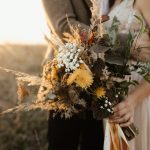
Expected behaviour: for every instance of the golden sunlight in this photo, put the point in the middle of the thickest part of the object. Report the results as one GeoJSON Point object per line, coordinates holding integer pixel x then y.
{"type": "Point", "coordinates": [22, 21]}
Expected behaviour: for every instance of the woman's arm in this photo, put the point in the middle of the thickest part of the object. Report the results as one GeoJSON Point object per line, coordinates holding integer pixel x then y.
{"type": "Point", "coordinates": [57, 12]}
{"type": "Point", "coordinates": [143, 6]}
{"type": "Point", "coordinates": [143, 44]}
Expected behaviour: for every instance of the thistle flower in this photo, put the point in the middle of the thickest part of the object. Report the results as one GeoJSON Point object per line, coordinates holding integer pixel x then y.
{"type": "Point", "coordinates": [82, 77]}
{"type": "Point", "coordinates": [100, 92]}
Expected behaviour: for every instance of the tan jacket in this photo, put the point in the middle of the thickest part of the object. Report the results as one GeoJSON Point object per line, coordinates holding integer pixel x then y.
{"type": "Point", "coordinates": [77, 11]}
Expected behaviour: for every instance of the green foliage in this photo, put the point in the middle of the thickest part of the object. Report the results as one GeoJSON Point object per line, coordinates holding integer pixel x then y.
{"type": "Point", "coordinates": [124, 86]}
{"type": "Point", "coordinates": [113, 31]}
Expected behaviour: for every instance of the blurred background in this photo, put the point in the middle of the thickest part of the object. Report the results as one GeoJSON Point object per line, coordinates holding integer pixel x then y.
{"type": "Point", "coordinates": [22, 48]}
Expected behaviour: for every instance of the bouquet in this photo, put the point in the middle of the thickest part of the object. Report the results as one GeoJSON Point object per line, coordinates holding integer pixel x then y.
{"type": "Point", "coordinates": [92, 63]}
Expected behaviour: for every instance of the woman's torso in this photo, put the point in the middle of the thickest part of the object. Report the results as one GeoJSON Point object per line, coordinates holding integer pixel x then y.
{"type": "Point", "coordinates": [125, 13]}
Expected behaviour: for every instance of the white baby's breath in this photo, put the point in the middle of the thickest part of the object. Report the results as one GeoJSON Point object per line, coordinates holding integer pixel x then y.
{"type": "Point", "coordinates": [69, 56]}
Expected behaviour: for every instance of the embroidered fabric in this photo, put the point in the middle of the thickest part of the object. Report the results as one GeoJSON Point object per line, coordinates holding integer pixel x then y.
{"type": "Point", "coordinates": [126, 15]}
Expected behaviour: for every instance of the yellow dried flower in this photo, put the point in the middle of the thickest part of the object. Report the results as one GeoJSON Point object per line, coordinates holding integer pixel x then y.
{"type": "Point", "coordinates": [63, 107]}
{"type": "Point", "coordinates": [54, 73]}
{"type": "Point", "coordinates": [100, 92]}
{"type": "Point", "coordinates": [84, 78]}
{"type": "Point", "coordinates": [48, 77]}
{"type": "Point", "coordinates": [53, 104]}
{"type": "Point", "coordinates": [81, 77]}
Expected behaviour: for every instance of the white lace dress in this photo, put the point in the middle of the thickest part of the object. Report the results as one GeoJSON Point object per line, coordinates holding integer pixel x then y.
{"type": "Point", "coordinates": [125, 13]}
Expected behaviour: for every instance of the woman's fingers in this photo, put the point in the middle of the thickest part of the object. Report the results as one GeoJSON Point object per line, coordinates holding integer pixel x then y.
{"type": "Point", "coordinates": [120, 113]}
{"type": "Point", "coordinates": [122, 119]}
{"type": "Point", "coordinates": [123, 113]}
{"type": "Point", "coordinates": [125, 120]}
{"type": "Point", "coordinates": [129, 122]}
{"type": "Point", "coordinates": [120, 106]}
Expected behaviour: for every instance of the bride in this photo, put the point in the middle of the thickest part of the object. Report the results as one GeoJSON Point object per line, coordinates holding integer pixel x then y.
{"type": "Point", "coordinates": [136, 106]}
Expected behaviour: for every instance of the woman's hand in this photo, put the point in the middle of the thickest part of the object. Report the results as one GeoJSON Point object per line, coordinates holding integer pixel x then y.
{"type": "Point", "coordinates": [124, 112]}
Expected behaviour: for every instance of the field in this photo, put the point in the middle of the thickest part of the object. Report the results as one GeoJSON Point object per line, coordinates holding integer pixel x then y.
{"type": "Point", "coordinates": [24, 130]}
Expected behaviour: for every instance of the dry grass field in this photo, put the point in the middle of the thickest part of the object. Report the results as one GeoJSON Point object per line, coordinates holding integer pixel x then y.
{"type": "Point", "coordinates": [24, 130]}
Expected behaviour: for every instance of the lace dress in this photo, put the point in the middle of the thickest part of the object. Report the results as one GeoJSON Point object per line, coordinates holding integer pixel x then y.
{"type": "Point", "coordinates": [125, 13]}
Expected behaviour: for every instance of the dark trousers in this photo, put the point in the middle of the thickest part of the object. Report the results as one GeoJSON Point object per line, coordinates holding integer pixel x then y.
{"type": "Point", "coordinates": [69, 134]}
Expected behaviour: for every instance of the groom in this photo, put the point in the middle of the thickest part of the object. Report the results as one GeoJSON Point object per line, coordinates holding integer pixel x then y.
{"type": "Point", "coordinates": [81, 129]}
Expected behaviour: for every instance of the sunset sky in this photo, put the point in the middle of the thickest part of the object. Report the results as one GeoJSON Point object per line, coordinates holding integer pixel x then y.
{"type": "Point", "coordinates": [22, 21]}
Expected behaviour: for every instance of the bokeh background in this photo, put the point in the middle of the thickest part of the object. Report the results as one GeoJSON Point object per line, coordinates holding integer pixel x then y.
{"type": "Point", "coordinates": [22, 48]}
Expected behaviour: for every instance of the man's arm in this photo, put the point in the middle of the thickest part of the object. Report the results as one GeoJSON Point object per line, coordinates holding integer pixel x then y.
{"type": "Point", "coordinates": [57, 12]}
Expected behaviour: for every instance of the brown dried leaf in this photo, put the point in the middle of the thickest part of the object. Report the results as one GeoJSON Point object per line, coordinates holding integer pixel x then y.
{"type": "Point", "coordinates": [91, 38]}
{"type": "Point", "coordinates": [22, 91]}
{"type": "Point", "coordinates": [97, 48]}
